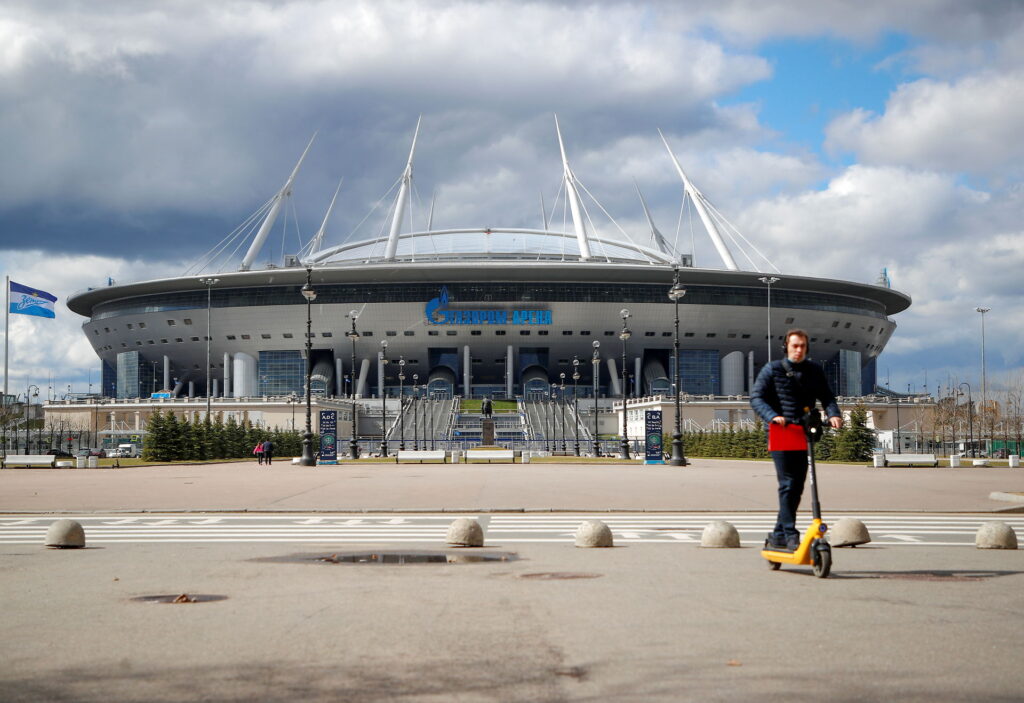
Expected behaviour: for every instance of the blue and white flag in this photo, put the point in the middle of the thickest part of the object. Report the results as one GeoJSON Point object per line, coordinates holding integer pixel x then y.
{"type": "Point", "coordinates": [31, 301]}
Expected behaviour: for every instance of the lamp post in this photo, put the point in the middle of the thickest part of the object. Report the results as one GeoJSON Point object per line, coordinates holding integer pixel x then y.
{"type": "Point", "coordinates": [29, 394]}
{"type": "Point", "coordinates": [416, 411]}
{"type": "Point", "coordinates": [624, 335]}
{"type": "Point", "coordinates": [561, 401]}
{"type": "Point", "coordinates": [984, 385]}
{"type": "Point", "coordinates": [970, 416]}
{"type": "Point", "coordinates": [551, 415]}
{"type": "Point", "coordinates": [209, 283]}
{"type": "Point", "coordinates": [431, 423]}
{"type": "Point", "coordinates": [596, 362]}
{"type": "Point", "coordinates": [309, 294]}
{"type": "Point", "coordinates": [401, 403]}
{"type": "Point", "coordinates": [768, 281]}
{"type": "Point", "coordinates": [675, 293]}
{"type": "Point", "coordinates": [353, 443]}
{"type": "Point", "coordinates": [383, 397]}
{"type": "Point", "coordinates": [575, 406]}
{"type": "Point", "coordinates": [899, 442]}
{"type": "Point", "coordinates": [292, 400]}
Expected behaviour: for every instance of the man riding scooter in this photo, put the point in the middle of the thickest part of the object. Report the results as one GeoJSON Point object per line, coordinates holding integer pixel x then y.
{"type": "Point", "coordinates": [784, 392]}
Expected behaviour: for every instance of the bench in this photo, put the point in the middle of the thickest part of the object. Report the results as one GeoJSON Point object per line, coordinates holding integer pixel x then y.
{"type": "Point", "coordinates": [419, 455]}
{"type": "Point", "coordinates": [30, 460]}
{"type": "Point", "coordinates": [911, 460]}
{"type": "Point", "coordinates": [489, 455]}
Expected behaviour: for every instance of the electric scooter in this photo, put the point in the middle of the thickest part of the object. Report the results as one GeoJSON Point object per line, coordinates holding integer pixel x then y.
{"type": "Point", "coordinates": [813, 549]}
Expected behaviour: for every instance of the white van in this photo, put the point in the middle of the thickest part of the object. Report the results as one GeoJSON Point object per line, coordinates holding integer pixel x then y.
{"type": "Point", "coordinates": [129, 451]}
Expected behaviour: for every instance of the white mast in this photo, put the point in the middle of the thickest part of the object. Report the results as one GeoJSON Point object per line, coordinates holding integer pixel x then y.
{"type": "Point", "coordinates": [543, 213]}
{"type": "Point", "coordinates": [698, 202]}
{"type": "Point", "coordinates": [268, 223]}
{"type": "Point", "coordinates": [656, 235]}
{"type": "Point", "coordinates": [430, 215]}
{"type": "Point", "coordinates": [319, 238]}
{"type": "Point", "coordinates": [403, 200]}
{"type": "Point", "coordinates": [574, 200]}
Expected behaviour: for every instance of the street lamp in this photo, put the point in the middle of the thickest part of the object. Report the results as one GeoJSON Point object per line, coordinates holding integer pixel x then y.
{"type": "Point", "coordinates": [551, 414]}
{"type": "Point", "coordinates": [970, 415]}
{"type": "Point", "coordinates": [309, 294]}
{"type": "Point", "coordinates": [675, 293]}
{"type": "Point", "coordinates": [292, 401]}
{"type": "Point", "coordinates": [383, 397]}
{"type": "Point", "coordinates": [416, 411]}
{"type": "Point", "coordinates": [768, 281]}
{"type": "Point", "coordinates": [624, 335]}
{"type": "Point", "coordinates": [899, 439]}
{"type": "Point", "coordinates": [561, 400]}
{"type": "Point", "coordinates": [401, 402]}
{"type": "Point", "coordinates": [29, 394]}
{"type": "Point", "coordinates": [353, 443]}
{"type": "Point", "coordinates": [596, 361]}
{"type": "Point", "coordinates": [575, 406]}
{"type": "Point", "coordinates": [209, 283]}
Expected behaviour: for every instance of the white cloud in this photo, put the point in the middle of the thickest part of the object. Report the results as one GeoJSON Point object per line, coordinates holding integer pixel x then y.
{"type": "Point", "coordinates": [972, 125]}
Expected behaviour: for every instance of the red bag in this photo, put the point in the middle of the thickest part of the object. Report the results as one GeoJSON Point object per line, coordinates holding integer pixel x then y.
{"type": "Point", "coordinates": [786, 438]}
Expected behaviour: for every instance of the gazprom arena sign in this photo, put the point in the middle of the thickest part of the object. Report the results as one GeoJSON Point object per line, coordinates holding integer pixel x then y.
{"type": "Point", "coordinates": [438, 313]}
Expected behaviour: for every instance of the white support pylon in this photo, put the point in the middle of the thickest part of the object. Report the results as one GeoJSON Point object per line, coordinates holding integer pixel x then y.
{"type": "Point", "coordinates": [403, 200]}
{"type": "Point", "coordinates": [574, 200]}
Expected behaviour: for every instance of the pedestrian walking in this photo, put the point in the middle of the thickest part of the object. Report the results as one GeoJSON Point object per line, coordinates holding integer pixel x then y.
{"type": "Point", "coordinates": [268, 451]}
{"type": "Point", "coordinates": [258, 451]}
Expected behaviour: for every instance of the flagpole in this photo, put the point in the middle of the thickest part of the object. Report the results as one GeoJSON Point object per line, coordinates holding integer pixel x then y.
{"type": "Point", "coordinates": [7, 338]}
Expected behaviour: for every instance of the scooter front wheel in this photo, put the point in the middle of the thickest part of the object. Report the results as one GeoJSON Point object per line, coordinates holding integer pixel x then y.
{"type": "Point", "coordinates": [774, 565]}
{"type": "Point", "coordinates": [822, 561]}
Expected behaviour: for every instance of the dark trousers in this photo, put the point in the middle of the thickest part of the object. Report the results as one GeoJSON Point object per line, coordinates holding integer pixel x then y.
{"type": "Point", "coordinates": [267, 456]}
{"type": "Point", "coordinates": [259, 458]}
{"type": "Point", "coordinates": [791, 471]}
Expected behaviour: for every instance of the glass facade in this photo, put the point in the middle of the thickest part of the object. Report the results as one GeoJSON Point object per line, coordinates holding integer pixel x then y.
{"type": "Point", "coordinates": [497, 292]}
{"type": "Point", "coordinates": [108, 380]}
{"type": "Point", "coordinates": [700, 371]}
{"type": "Point", "coordinates": [844, 373]}
{"type": "Point", "coordinates": [128, 374]}
{"type": "Point", "coordinates": [281, 373]}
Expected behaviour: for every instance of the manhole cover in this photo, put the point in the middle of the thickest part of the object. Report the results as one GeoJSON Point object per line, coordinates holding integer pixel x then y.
{"type": "Point", "coordinates": [559, 575]}
{"type": "Point", "coordinates": [393, 558]}
{"type": "Point", "coordinates": [180, 598]}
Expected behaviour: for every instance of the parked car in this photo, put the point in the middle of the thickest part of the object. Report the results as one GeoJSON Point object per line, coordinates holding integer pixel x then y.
{"type": "Point", "coordinates": [92, 452]}
{"type": "Point", "coordinates": [60, 454]}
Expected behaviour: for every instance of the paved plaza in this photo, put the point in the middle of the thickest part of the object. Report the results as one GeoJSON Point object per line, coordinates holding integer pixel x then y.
{"type": "Point", "coordinates": [655, 618]}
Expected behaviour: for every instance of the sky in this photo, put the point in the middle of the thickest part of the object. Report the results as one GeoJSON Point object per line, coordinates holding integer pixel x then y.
{"type": "Point", "coordinates": [841, 138]}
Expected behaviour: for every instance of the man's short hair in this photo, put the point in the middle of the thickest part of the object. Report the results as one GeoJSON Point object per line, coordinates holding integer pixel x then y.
{"type": "Point", "coordinates": [798, 333]}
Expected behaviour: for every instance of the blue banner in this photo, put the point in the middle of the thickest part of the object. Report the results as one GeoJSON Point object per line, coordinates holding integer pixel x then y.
{"type": "Point", "coordinates": [328, 437]}
{"type": "Point", "coordinates": [31, 301]}
{"type": "Point", "coordinates": [654, 448]}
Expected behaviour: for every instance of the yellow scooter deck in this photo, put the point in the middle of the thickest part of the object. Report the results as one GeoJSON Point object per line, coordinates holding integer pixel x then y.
{"type": "Point", "coordinates": [802, 555]}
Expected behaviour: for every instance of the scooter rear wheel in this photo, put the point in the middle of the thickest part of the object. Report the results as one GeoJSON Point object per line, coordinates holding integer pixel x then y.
{"type": "Point", "coordinates": [774, 565]}
{"type": "Point", "coordinates": [822, 561]}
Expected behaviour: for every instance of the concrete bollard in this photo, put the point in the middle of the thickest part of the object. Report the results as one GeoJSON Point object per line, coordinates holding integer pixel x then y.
{"type": "Point", "coordinates": [954, 461]}
{"type": "Point", "coordinates": [878, 461]}
{"type": "Point", "coordinates": [1015, 461]}
{"type": "Point", "coordinates": [720, 535]}
{"type": "Point", "coordinates": [995, 535]}
{"type": "Point", "coordinates": [848, 532]}
{"type": "Point", "coordinates": [65, 534]}
{"type": "Point", "coordinates": [464, 532]}
{"type": "Point", "coordinates": [593, 533]}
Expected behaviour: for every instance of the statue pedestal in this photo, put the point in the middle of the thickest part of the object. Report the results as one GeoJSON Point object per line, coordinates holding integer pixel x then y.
{"type": "Point", "coordinates": [487, 439]}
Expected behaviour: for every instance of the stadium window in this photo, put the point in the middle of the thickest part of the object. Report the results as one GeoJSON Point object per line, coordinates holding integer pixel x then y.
{"type": "Point", "coordinates": [408, 333]}
{"type": "Point", "coordinates": [712, 334]}
{"type": "Point", "coordinates": [543, 333]}
{"type": "Point", "coordinates": [585, 333]}
{"type": "Point", "coordinates": [150, 341]}
{"type": "Point", "coordinates": [871, 328]}
{"type": "Point", "coordinates": [666, 334]}
{"type": "Point", "coordinates": [789, 320]}
{"type": "Point", "coordinates": [142, 325]}
{"type": "Point", "coordinates": [433, 333]}
{"type": "Point", "coordinates": [130, 326]}
{"type": "Point", "coordinates": [163, 341]}
{"type": "Point", "coordinates": [475, 333]}
{"type": "Point", "coordinates": [391, 334]}
{"type": "Point", "coordinates": [827, 340]}
{"type": "Point", "coordinates": [287, 335]}
{"type": "Point", "coordinates": [648, 334]}
{"type": "Point", "coordinates": [499, 333]}
{"type": "Point", "coordinates": [178, 339]}
{"type": "Point", "coordinates": [607, 333]}
{"type": "Point", "coordinates": [195, 339]}
{"type": "Point", "coordinates": [744, 336]}
{"type": "Point", "coordinates": [170, 323]}
{"type": "Point", "coordinates": [563, 362]}
{"type": "Point", "coordinates": [478, 361]}
{"type": "Point", "coordinates": [524, 333]}
{"type": "Point", "coordinates": [187, 320]}
{"type": "Point", "coordinates": [835, 323]}
{"type": "Point", "coordinates": [731, 335]}
{"type": "Point", "coordinates": [107, 330]}
{"type": "Point", "coordinates": [231, 337]}
{"type": "Point", "coordinates": [687, 334]}
{"type": "Point", "coordinates": [814, 339]}
{"type": "Point", "coordinates": [367, 334]}
{"type": "Point", "coordinates": [264, 336]}
{"type": "Point", "coordinates": [96, 332]}
{"type": "Point", "coordinates": [327, 334]}
{"type": "Point", "coordinates": [450, 333]}
{"type": "Point", "coordinates": [123, 344]}
{"type": "Point", "coordinates": [839, 341]}
{"type": "Point", "coordinates": [566, 333]}
{"type": "Point", "coordinates": [846, 326]}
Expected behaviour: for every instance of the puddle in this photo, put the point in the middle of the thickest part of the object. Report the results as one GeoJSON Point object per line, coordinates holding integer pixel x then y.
{"type": "Point", "coordinates": [559, 575]}
{"type": "Point", "coordinates": [180, 598]}
{"type": "Point", "coordinates": [393, 557]}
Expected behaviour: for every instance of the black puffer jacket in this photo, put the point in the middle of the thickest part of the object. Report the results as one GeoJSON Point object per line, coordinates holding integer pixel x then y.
{"type": "Point", "coordinates": [777, 393]}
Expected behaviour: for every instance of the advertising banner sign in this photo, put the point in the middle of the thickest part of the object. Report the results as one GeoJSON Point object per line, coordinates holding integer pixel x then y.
{"type": "Point", "coordinates": [653, 447]}
{"type": "Point", "coordinates": [328, 437]}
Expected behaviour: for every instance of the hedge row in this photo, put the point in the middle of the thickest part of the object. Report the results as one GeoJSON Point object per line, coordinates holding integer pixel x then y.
{"type": "Point", "coordinates": [171, 439]}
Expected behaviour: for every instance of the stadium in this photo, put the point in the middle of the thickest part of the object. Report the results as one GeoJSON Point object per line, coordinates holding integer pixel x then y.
{"type": "Point", "coordinates": [479, 312]}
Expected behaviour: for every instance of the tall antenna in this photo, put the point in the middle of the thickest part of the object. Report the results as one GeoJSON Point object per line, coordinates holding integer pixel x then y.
{"type": "Point", "coordinates": [268, 223]}
{"type": "Point", "coordinates": [403, 200]}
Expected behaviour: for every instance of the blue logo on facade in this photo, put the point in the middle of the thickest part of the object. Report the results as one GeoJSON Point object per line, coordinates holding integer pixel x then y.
{"type": "Point", "coordinates": [437, 313]}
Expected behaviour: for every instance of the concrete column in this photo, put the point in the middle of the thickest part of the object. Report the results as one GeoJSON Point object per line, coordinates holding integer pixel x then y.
{"type": "Point", "coordinates": [339, 377]}
{"type": "Point", "coordinates": [750, 372]}
{"type": "Point", "coordinates": [509, 381]}
{"type": "Point", "coordinates": [112, 417]}
{"type": "Point", "coordinates": [364, 371]}
{"type": "Point", "coordinates": [215, 390]}
{"type": "Point", "coordinates": [467, 372]}
{"type": "Point", "coordinates": [244, 376]}
{"type": "Point", "coordinates": [227, 375]}
{"type": "Point", "coordinates": [637, 378]}
{"type": "Point", "coordinates": [167, 373]}
{"type": "Point", "coordinates": [613, 371]}
{"type": "Point", "coordinates": [138, 420]}
{"type": "Point", "coordinates": [191, 389]}
{"type": "Point", "coordinates": [731, 367]}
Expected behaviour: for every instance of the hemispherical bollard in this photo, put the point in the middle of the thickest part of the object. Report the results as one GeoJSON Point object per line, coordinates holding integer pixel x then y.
{"type": "Point", "coordinates": [720, 534]}
{"type": "Point", "coordinates": [465, 533]}
{"type": "Point", "coordinates": [848, 532]}
{"type": "Point", "coordinates": [65, 534]}
{"type": "Point", "coordinates": [995, 535]}
{"type": "Point", "coordinates": [593, 533]}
